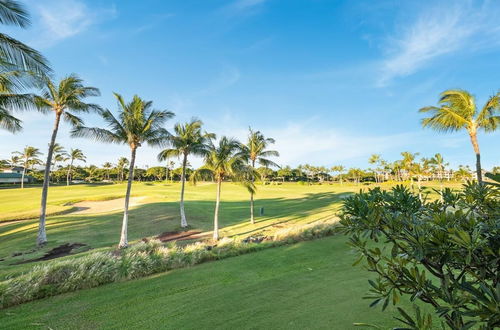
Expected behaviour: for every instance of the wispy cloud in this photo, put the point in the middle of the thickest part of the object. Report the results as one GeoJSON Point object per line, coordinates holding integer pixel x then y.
{"type": "Point", "coordinates": [438, 31]}
{"type": "Point", "coordinates": [57, 20]}
{"type": "Point", "coordinates": [243, 7]}
{"type": "Point", "coordinates": [153, 21]}
{"type": "Point", "coordinates": [229, 76]}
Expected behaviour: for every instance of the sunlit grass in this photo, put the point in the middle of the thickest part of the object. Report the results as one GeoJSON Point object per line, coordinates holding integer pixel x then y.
{"type": "Point", "coordinates": [284, 205]}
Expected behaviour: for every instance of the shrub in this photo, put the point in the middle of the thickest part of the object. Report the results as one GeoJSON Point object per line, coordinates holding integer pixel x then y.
{"type": "Point", "coordinates": [443, 253]}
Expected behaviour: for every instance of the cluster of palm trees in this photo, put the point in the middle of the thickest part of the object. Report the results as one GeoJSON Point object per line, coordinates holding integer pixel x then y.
{"type": "Point", "coordinates": [138, 123]}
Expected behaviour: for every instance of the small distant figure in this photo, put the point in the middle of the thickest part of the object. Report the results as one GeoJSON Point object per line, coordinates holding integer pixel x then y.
{"type": "Point", "coordinates": [261, 211]}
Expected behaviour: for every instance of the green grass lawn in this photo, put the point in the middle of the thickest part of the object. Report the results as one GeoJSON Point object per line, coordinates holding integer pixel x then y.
{"type": "Point", "coordinates": [310, 285]}
{"type": "Point", "coordinates": [283, 205]}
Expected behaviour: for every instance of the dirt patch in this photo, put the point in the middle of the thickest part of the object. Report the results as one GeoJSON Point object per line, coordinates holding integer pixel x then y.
{"type": "Point", "coordinates": [256, 239]}
{"type": "Point", "coordinates": [178, 235]}
{"type": "Point", "coordinates": [57, 252]}
{"type": "Point", "coordinates": [90, 207]}
{"type": "Point", "coordinates": [61, 251]}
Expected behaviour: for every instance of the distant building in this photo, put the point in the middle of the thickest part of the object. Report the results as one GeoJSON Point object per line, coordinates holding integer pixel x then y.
{"type": "Point", "coordinates": [14, 175]}
{"type": "Point", "coordinates": [15, 169]}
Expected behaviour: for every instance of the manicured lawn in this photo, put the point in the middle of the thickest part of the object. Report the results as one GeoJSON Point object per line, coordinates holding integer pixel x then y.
{"type": "Point", "coordinates": [283, 205]}
{"type": "Point", "coordinates": [303, 286]}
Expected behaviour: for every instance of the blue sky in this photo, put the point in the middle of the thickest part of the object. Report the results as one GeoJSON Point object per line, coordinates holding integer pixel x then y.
{"type": "Point", "coordinates": [331, 81]}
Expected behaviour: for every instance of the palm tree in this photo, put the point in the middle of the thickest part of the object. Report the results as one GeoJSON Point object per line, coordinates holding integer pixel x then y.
{"type": "Point", "coordinates": [169, 170]}
{"type": "Point", "coordinates": [65, 100]}
{"type": "Point", "coordinates": [256, 152]}
{"type": "Point", "coordinates": [136, 124]}
{"type": "Point", "coordinates": [29, 158]}
{"type": "Point", "coordinates": [59, 155]}
{"type": "Point", "coordinates": [14, 161]}
{"type": "Point", "coordinates": [187, 140]}
{"type": "Point", "coordinates": [19, 65]}
{"type": "Point", "coordinates": [458, 111]}
{"type": "Point", "coordinates": [376, 159]}
{"type": "Point", "coordinates": [74, 154]}
{"type": "Point", "coordinates": [408, 164]}
{"type": "Point", "coordinates": [438, 162]}
{"type": "Point", "coordinates": [463, 173]}
{"type": "Point", "coordinates": [107, 166]}
{"type": "Point", "coordinates": [223, 161]}
{"type": "Point", "coordinates": [122, 163]}
{"type": "Point", "coordinates": [339, 169]}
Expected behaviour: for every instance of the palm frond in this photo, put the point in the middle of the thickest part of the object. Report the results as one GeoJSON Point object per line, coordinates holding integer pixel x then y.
{"type": "Point", "coordinates": [9, 122]}
{"type": "Point", "coordinates": [13, 13]}
{"type": "Point", "coordinates": [23, 56]}
{"type": "Point", "coordinates": [97, 134]}
{"type": "Point", "coordinates": [202, 173]}
{"type": "Point", "coordinates": [488, 117]}
{"type": "Point", "coordinates": [17, 102]}
{"type": "Point", "coordinates": [168, 153]}
{"type": "Point", "coordinates": [72, 119]}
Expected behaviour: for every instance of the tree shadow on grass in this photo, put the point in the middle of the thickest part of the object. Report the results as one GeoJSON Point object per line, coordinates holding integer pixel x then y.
{"type": "Point", "coordinates": [146, 220]}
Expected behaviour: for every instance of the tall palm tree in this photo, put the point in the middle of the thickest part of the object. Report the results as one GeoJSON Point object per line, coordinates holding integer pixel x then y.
{"type": "Point", "coordinates": [458, 111]}
{"type": "Point", "coordinates": [122, 163]}
{"type": "Point", "coordinates": [256, 151]}
{"type": "Point", "coordinates": [223, 161]}
{"type": "Point", "coordinates": [29, 158]}
{"type": "Point", "coordinates": [187, 140]}
{"type": "Point", "coordinates": [74, 154]}
{"type": "Point", "coordinates": [137, 123]}
{"type": "Point", "coordinates": [107, 166]}
{"type": "Point", "coordinates": [65, 100]}
{"type": "Point", "coordinates": [19, 64]}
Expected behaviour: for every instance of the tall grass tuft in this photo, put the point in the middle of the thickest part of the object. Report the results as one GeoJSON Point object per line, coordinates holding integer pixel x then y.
{"type": "Point", "coordinates": [139, 260]}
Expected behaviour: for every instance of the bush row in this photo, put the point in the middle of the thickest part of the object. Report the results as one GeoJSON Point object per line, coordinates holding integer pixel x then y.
{"type": "Point", "coordinates": [139, 260]}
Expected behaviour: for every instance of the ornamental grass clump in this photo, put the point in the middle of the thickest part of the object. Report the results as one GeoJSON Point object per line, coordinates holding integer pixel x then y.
{"type": "Point", "coordinates": [307, 232]}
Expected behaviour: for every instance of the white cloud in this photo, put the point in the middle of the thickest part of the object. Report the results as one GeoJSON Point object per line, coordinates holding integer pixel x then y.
{"type": "Point", "coordinates": [438, 31]}
{"type": "Point", "coordinates": [57, 20]}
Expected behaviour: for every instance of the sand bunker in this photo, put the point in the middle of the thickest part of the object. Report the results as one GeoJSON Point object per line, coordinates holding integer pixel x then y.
{"type": "Point", "coordinates": [91, 207]}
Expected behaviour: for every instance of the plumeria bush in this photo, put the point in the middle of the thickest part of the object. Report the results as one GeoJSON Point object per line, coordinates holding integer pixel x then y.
{"type": "Point", "coordinates": [443, 253]}
{"type": "Point", "coordinates": [142, 259]}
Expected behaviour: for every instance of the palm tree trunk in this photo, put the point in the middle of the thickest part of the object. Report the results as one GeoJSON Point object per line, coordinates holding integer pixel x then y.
{"type": "Point", "coordinates": [473, 138]}
{"type": "Point", "coordinates": [24, 172]}
{"type": "Point", "coordinates": [216, 215]}
{"type": "Point", "coordinates": [42, 235]}
{"type": "Point", "coordinates": [123, 237]}
{"type": "Point", "coordinates": [252, 218]}
{"type": "Point", "coordinates": [183, 183]}
{"type": "Point", "coordinates": [69, 172]}
{"type": "Point", "coordinates": [419, 188]}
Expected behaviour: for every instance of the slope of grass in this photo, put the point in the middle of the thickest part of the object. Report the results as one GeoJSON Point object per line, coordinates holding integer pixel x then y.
{"type": "Point", "coordinates": [303, 286]}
